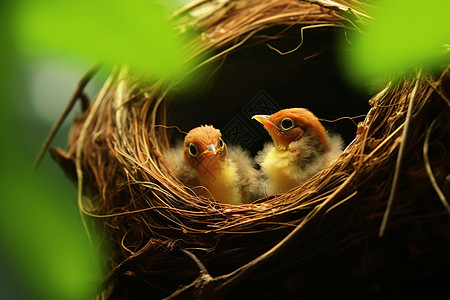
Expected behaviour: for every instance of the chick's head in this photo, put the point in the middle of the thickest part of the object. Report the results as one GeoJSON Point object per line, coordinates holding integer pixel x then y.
{"type": "Point", "coordinates": [291, 124]}
{"type": "Point", "coordinates": [204, 150]}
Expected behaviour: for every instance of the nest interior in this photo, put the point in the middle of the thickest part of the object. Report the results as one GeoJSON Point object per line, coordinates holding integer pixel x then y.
{"type": "Point", "coordinates": [321, 239]}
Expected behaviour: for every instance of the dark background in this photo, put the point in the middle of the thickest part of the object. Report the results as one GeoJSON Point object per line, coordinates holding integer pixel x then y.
{"type": "Point", "coordinates": [257, 80]}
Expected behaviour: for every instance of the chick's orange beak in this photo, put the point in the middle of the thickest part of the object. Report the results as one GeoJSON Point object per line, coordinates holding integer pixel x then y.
{"type": "Point", "coordinates": [210, 150]}
{"type": "Point", "coordinates": [264, 119]}
{"type": "Point", "coordinates": [273, 130]}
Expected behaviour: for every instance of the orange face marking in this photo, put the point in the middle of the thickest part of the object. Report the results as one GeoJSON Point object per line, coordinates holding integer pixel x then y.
{"type": "Point", "coordinates": [290, 125]}
{"type": "Point", "coordinates": [204, 150]}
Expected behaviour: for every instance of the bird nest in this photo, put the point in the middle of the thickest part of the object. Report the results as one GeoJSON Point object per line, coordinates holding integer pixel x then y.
{"type": "Point", "coordinates": [375, 223]}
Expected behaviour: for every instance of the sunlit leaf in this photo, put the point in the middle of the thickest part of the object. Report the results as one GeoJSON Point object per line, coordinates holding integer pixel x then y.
{"type": "Point", "coordinates": [404, 35]}
{"type": "Point", "coordinates": [137, 33]}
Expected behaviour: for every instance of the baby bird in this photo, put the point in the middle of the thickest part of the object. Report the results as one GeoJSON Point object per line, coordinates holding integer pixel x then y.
{"type": "Point", "coordinates": [204, 162]}
{"type": "Point", "coordinates": [300, 149]}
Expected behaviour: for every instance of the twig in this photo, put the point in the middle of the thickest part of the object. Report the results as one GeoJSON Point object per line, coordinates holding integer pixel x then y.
{"type": "Point", "coordinates": [214, 57]}
{"type": "Point", "coordinates": [446, 100]}
{"type": "Point", "coordinates": [398, 165]}
{"type": "Point", "coordinates": [343, 118]}
{"type": "Point", "coordinates": [429, 171]}
{"type": "Point", "coordinates": [243, 272]}
{"type": "Point", "coordinates": [207, 286]}
{"type": "Point", "coordinates": [129, 262]}
{"type": "Point", "coordinates": [301, 37]}
{"type": "Point", "coordinates": [334, 5]}
{"type": "Point", "coordinates": [187, 7]}
{"type": "Point", "coordinates": [201, 267]}
{"type": "Point", "coordinates": [342, 201]}
{"type": "Point", "coordinates": [80, 145]}
{"type": "Point", "coordinates": [76, 95]}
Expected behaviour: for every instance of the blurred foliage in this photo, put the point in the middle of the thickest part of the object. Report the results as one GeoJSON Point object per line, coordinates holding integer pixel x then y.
{"type": "Point", "coordinates": [405, 34]}
{"type": "Point", "coordinates": [43, 245]}
{"type": "Point", "coordinates": [45, 252]}
{"type": "Point", "coordinates": [137, 33]}
{"type": "Point", "coordinates": [43, 235]}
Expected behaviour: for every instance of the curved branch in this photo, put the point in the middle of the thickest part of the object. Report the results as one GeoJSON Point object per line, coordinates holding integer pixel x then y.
{"type": "Point", "coordinates": [76, 95]}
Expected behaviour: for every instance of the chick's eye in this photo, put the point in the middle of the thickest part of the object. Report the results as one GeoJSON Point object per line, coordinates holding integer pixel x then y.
{"type": "Point", "coordinates": [287, 123]}
{"type": "Point", "coordinates": [193, 150]}
{"type": "Point", "coordinates": [221, 143]}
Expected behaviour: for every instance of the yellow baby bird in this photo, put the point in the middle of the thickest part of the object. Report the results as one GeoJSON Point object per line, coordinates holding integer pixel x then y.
{"type": "Point", "coordinates": [204, 162]}
{"type": "Point", "coordinates": [301, 148]}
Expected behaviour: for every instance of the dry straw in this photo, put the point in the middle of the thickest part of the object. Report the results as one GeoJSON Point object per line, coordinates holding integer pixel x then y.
{"type": "Point", "coordinates": [374, 223]}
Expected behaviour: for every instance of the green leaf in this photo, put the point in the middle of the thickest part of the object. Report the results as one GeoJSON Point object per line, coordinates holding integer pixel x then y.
{"type": "Point", "coordinates": [137, 33]}
{"type": "Point", "coordinates": [404, 35]}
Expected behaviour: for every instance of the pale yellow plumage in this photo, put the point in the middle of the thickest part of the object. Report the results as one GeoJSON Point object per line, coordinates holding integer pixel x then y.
{"type": "Point", "coordinates": [224, 186]}
{"type": "Point", "coordinates": [298, 152]}
{"type": "Point", "coordinates": [250, 183]}
{"type": "Point", "coordinates": [227, 175]}
{"type": "Point", "coordinates": [286, 169]}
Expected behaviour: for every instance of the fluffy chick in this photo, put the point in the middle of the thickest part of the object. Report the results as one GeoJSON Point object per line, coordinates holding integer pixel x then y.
{"type": "Point", "coordinates": [300, 149]}
{"type": "Point", "coordinates": [250, 184]}
{"type": "Point", "coordinates": [202, 160]}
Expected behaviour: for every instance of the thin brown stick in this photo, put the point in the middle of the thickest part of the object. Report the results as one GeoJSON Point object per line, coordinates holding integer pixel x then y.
{"type": "Point", "coordinates": [335, 5]}
{"type": "Point", "coordinates": [79, 149]}
{"type": "Point", "coordinates": [201, 267]}
{"type": "Point", "coordinates": [429, 171]}
{"type": "Point", "coordinates": [76, 95]}
{"type": "Point", "coordinates": [237, 276]}
{"type": "Point", "coordinates": [301, 37]}
{"type": "Point", "coordinates": [399, 163]}
{"type": "Point", "coordinates": [446, 100]}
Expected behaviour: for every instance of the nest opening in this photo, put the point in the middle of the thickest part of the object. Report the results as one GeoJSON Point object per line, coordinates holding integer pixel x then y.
{"type": "Point", "coordinates": [256, 79]}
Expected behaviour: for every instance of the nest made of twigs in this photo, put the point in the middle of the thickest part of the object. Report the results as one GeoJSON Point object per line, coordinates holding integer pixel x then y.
{"type": "Point", "coordinates": [374, 224]}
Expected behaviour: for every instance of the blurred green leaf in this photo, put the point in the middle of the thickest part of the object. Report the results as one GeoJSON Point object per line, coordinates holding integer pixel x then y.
{"type": "Point", "coordinates": [44, 236]}
{"type": "Point", "coordinates": [405, 34]}
{"type": "Point", "coordinates": [137, 33]}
